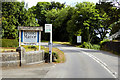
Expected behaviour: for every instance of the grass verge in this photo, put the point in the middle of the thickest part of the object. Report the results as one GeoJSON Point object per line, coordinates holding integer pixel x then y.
{"type": "Point", "coordinates": [58, 54]}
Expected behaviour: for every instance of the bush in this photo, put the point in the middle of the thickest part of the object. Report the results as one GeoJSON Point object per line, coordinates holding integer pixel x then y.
{"type": "Point", "coordinates": [87, 45]}
{"type": "Point", "coordinates": [9, 42]}
{"type": "Point", "coordinates": [103, 41]}
{"type": "Point", "coordinates": [96, 47]}
{"type": "Point", "coordinates": [90, 46]}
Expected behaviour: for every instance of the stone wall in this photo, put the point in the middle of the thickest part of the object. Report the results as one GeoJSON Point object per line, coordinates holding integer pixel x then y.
{"type": "Point", "coordinates": [33, 57]}
{"type": "Point", "coordinates": [111, 46]}
{"type": "Point", "coordinates": [12, 59]}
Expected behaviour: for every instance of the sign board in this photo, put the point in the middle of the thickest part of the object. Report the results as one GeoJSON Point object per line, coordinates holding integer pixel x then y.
{"type": "Point", "coordinates": [78, 39]}
{"type": "Point", "coordinates": [29, 37]}
{"type": "Point", "coordinates": [48, 28]}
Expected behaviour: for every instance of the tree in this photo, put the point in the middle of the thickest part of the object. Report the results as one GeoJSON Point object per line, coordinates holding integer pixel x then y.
{"type": "Point", "coordinates": [115, 27]}
{"type": "Point", "coordinates": [59, 22]}
{"type": "Point", "coordinates": [112, 15]}
{"type": "Point", "coordinates": [9, 21]}
{"type": "Point", "coordinates": [13, 15]}
{"type": "Point", "coordinates": [84, 21]}
{"type": "Point", "coordinates": [42, 9]}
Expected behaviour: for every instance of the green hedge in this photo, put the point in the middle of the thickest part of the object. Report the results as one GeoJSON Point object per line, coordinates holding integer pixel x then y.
{"type": "Point", "coordinates": [9, 43]}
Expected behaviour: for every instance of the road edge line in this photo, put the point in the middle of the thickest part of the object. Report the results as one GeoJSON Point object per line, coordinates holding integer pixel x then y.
{"type": "Point", "coordinates": [104, 65]}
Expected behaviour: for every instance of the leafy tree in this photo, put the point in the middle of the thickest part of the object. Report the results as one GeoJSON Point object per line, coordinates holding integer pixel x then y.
{"type": "Point", "coordinates": [84, 21]}
{"type": "Point", "coordinates": [13, 15]}
{"type": "Point", "coordinates": [115, 27]}
{"type": "Point", "coordinates": [59, 22]}
{"type": "Point", "coordinates": [112, 15]}
{"type": "Point", "coordinates": [10, 11]}
{"type": "Point", "coordinates": [42, 9]}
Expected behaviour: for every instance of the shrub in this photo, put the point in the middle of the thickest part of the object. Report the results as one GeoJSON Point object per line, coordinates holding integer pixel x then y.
{"type": "Point", "coordinates": [96, 47]}
{"type": "Point", "coordinates": [87, 45]}
{"type": "Point", "coordinates": [90, 46]}
{"type": "Point", "coordinates": [103, 41]}
{"type": "Point", "coordinates": [9, 42]}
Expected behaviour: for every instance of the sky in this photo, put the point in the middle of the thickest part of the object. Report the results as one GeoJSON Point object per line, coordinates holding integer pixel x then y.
{"type": "Point", "coordinates": [68, 2]}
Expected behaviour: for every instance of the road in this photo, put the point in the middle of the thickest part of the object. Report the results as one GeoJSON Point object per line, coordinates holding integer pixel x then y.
{"type": "Point", "coordinates": [85, 63]}
{"type": "Point", "coordinates": [80, 63]}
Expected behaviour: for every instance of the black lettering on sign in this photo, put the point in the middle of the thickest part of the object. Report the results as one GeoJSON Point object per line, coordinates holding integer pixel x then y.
{"type": "Point", "coordinates": [29, 34]}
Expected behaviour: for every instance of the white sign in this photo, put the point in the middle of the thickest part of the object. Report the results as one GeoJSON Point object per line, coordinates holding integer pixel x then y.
{"type": "Point", "coordinates": [30, 36]}
{"type": "Point", "coordinates": [48, 28]}
{"type": "Point", "coordinates": [78, 39]}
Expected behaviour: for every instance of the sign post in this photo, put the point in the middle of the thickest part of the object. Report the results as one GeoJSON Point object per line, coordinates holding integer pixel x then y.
{"type": "Point", "coordinates": [78, 39]}
{"type": "Point", "coordinates": [48, 29]}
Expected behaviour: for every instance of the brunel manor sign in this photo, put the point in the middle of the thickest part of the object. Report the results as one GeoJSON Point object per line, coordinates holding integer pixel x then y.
{"type": "Point", "coordinates": [29, 35]}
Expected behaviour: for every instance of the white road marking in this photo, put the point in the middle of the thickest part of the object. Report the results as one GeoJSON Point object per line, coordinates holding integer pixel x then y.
{"type": "Point", "coordinates": [104, 65]}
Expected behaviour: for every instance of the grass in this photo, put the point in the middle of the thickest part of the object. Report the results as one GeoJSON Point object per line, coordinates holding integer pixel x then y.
{"type": "Point", "coordinates": [8, 49]}
{"type": "Point", "coordinates": [59, 53]}
{"type": "Point", "coordinates": [58, 42]}
{"type": "Point", "coordinates": [66, 43]}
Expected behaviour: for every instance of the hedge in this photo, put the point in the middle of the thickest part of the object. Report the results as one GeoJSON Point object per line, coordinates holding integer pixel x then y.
{"type": "Point", "coordinates": [9, 43]}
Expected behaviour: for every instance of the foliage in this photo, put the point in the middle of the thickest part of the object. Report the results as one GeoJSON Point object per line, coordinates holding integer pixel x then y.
{"type": "Point", "coordinates": [9, 42]}
{"type": "Point", "coordinates": [87, 45]}
{"type": "Point", "coordinates": [9, 21]}
{"type": "Point", "coordinates": [84, 21]}
{"type": "Point", "coordinates": [57, 55]}
{"type": "Point", "coordinates": [115, 27]}
{"type": "Point", "coordinates": [59, 23]}
{"type": "Point", "coordinates": [111, 13]}
{"type": "Point", "coordinates": [13, 15]}
{"type": "Point", "coordinates": [96, 47]}
{"type": "Point", "coordinates": [104, 40]}
{"type": "Point", "coordinates": [46, 12]}
{"type": "Point", "coordinates": [90, 46]}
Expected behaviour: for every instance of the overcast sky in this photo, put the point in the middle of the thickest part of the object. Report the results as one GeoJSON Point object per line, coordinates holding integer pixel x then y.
{"type": "Point", "coordinates": [68, 2]}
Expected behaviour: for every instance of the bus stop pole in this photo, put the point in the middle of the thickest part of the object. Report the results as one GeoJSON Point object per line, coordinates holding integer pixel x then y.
{"type": "Point", "coordinates": [51, 47]}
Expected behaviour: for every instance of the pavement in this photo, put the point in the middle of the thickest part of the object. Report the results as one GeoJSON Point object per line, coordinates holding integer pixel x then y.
{"type": "Point", "coordinates": [80, 63]}
{"type": "Point", "coordinates": [29, 71]}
